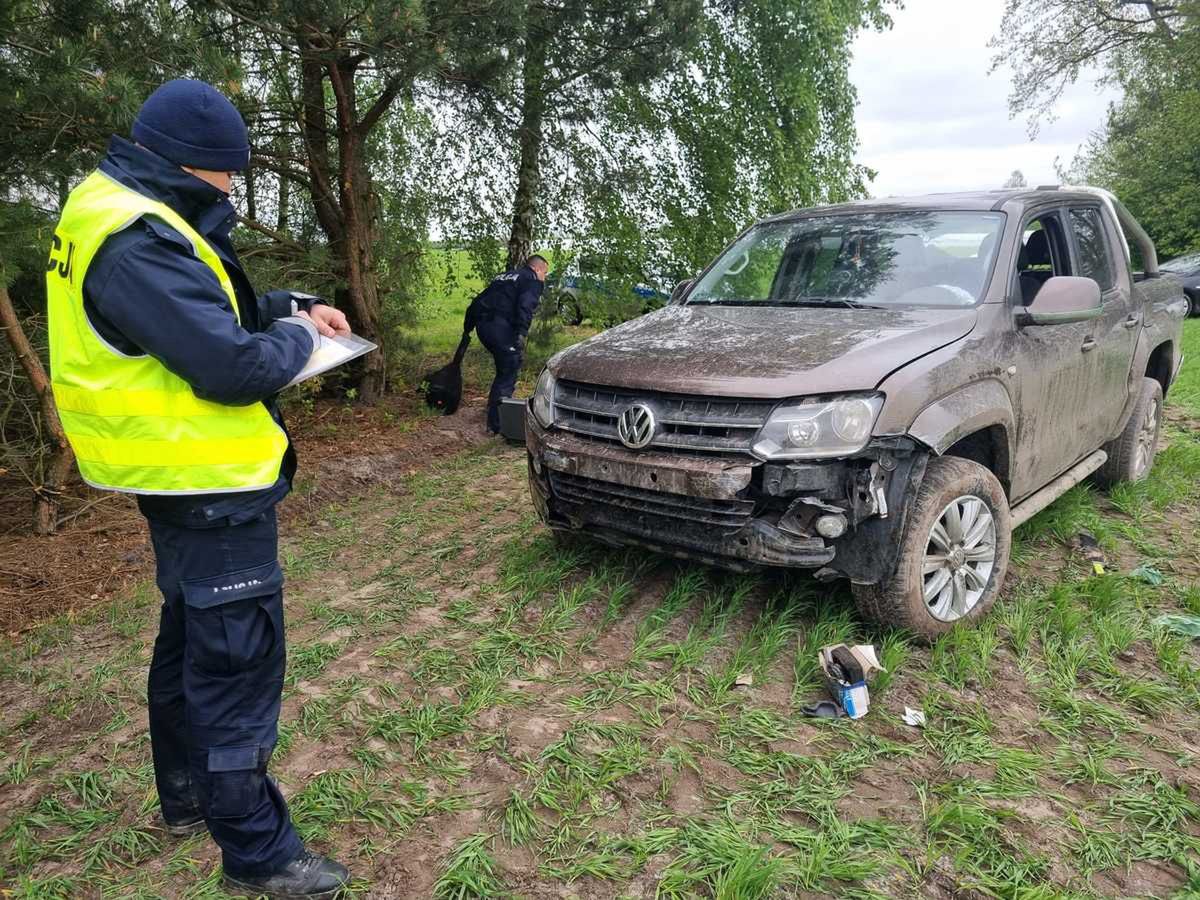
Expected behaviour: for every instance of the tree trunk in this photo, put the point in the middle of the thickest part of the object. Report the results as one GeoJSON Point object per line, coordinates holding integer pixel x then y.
{"type": "Point", "coordinates": [355, 196]}
{"type": "Point", "coordinates": [45, 495]}
{"type": "Point", "coordinates": [251, 199]}
{"type": "Point", "coordinates": [529, 139]}
{"type": "Point", "coordinates": [315, 134]}
{"type": "Point", "coordinates": [362, 285]}
{"type": "Point", "coordinates": [281, 210]}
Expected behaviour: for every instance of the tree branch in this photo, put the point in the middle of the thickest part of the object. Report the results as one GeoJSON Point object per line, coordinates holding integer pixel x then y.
{"type": "Point", "coordinates": [271, 233]}
{"type": "Point", "coordinates": [380, 106]}
{"type": "Point", "coordinates": [46, 494]}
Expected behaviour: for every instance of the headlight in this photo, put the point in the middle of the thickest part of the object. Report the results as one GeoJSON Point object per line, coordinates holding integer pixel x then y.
{"type": "Point", "coordinates": [820, 428]}
{"type": "Point", "coordinates": [543, 399]}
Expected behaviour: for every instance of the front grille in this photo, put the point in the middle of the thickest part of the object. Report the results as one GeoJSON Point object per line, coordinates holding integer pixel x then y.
{"type": "Point", "coordinates": [706, 424]}
{"type": "Point", "coordinates": [726, 515]}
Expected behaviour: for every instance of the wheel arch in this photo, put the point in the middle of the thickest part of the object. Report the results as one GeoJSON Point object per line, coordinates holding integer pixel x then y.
{"type": "Point", "coordinates": [1160, 364]}
{"type": "Point", "coordinates": [975, 422]}
{"type": "Point", "coordinates": [1151, 359]}
{"type": "Point", "coordinates": [989, 447]}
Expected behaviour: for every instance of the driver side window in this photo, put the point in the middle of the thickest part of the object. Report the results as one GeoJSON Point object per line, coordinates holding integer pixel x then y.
{"type": "Point", "coordinates": [751, 273]}
{"type": "Point", "coordinates": [1043, 255]}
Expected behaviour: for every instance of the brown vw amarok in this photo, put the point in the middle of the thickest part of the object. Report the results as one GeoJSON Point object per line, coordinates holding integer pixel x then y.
{"type": "Point", "coordinates": [880, 391]}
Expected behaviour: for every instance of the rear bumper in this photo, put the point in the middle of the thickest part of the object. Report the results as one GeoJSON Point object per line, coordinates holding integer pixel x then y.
{"type": "Point", "coordinates": [688, 506]}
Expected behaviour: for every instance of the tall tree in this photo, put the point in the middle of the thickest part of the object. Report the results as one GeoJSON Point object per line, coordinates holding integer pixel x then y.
{"type": "Point", "coordinates": [74, 71]}
{"type": "Point", "coordinates": [1148, 152]}
{"type": "Point", "coordinates": [574, 53]}
{"type": "Point", "coordinates": [763, 117]}
{"type": "Point", "coordinates": [651, 160]}
{"type": "Point", "coordinates": [320, 80]}
{"type": "Point", "coordinates": [1015, 180]}
{"type": "Point", "coordinates": [1148, 147]}
{"type": "Point", "coordinates": [1049, 43]}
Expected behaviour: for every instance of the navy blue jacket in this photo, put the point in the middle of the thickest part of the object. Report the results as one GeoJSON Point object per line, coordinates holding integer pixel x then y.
{"type": "Point", "coordinates": [512, 296]}
{"type": "Point", "coordinates": [146, 292]}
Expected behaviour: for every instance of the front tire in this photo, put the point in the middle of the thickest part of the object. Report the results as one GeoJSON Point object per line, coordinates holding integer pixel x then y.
{"type": "Point", "coordinates": [953, 553]}
{"type": "Point", "coordinates": [1131, 456]}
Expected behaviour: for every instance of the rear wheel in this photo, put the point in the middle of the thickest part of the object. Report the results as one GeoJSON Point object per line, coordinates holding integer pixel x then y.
{"type": "Point", "coordinates": [1193, 300]}
{"type": "Point", "coordinates": [953, 553]}
{"type": "Point", "coordinates": [1131, 456]}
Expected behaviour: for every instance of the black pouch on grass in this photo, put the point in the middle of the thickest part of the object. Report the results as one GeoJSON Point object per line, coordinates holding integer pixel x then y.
{"type": "Point", "coordinates": [443, 388]}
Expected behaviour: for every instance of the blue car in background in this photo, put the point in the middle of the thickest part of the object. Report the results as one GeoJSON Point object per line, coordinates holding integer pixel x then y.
{"type": "Point", "coordinates": [580, 292]}
{"type": "Point", "coordinates": [1187, 269]}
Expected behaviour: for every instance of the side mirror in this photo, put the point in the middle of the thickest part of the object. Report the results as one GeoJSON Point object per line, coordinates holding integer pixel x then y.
{"type": "Point", "coordinates": [1062, 299]}
{"type": "Point", "coordinates": [681, 289]}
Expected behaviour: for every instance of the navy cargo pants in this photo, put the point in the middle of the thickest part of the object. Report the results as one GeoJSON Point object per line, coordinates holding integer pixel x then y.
{"type": "Point", "coordinates": [500, 339]}
{"type": "Point", "coordinates": [215, 685]}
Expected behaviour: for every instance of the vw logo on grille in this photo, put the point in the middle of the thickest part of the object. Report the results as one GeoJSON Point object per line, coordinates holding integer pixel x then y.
{"type": "Point", "coordinates": [635, 427]}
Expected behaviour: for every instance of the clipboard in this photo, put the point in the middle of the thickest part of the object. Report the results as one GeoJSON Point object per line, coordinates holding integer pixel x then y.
{"type": "Point", "coordinates": [332, 352]}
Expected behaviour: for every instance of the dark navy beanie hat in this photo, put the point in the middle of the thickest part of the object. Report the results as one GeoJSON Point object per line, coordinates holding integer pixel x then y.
{"type": "Point", "coordinates": [193, 124]}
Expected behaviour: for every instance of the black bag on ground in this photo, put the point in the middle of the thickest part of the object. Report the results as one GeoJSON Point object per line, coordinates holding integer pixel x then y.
{"type": "Point", "coordinates": [443, 388]}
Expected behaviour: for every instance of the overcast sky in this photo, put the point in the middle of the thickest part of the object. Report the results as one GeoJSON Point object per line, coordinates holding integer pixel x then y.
{"type": "Point", "coordinates": [931, 118]}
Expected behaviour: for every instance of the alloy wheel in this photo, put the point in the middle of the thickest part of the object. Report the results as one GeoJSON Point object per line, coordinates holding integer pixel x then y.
{"type": "Point", "coordinates": [959, 557]}
{"type": "Point", "coordinates": [1147, 438]}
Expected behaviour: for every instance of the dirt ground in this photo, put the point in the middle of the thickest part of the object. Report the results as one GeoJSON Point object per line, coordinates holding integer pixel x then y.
{"type": "Point", "coordinates": [476, 709]}
{"type": "Point", "coordinates": [103, 548]}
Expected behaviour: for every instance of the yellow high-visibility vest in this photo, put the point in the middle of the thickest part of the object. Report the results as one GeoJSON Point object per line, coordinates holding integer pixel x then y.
{"type": "Point", "coordinates": [133, 424]}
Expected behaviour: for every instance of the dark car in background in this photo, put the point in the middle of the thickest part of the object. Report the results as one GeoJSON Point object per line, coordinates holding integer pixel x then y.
{"type": "Point", "coordinates": [581, 291]}
{"type": "Point", "coordinates": [1187, 269]}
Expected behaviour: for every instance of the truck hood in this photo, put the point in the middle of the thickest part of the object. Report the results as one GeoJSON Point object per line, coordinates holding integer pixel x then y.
{"type": "Point", "coordinates": [767, 352]}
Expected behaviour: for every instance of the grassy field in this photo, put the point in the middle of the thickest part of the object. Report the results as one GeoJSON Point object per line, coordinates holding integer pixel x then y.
{"type": "Point", "coordinates": [473, 710]}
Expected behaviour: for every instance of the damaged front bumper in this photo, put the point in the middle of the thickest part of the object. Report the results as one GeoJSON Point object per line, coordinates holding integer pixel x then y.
{"type": "Point", "coordinates": [730, 511]}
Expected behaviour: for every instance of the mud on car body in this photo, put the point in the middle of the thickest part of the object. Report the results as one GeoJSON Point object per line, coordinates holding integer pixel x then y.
{"type": "Point", "coordinates": [878, 391]}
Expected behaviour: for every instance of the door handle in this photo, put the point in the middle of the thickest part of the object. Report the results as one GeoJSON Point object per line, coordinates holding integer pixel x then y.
{"type": "Point", "coordinates": [1088, 344]}
{"type": "Point", "coordinates": [1131, 322]}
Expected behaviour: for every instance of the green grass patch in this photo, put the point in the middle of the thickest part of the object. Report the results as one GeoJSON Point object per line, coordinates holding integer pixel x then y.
{"type": "Point", "coordinates": [471, 871]}
{"type": "Point", "coordinates": [1186, 390]}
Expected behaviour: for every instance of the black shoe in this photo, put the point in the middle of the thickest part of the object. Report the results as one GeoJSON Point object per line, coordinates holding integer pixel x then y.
{"type": "Point", "coordinates": [185, 827]}
{"type": "Point", "coordinates": [309, 876]}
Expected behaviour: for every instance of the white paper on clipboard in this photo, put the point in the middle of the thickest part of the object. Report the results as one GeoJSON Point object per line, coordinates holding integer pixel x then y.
{"type": "Point", "coordinates": [332, 352]}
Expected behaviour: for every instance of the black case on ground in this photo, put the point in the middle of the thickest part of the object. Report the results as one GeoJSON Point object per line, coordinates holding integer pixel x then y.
{"type": "Point", "coordinates": [512, 419]}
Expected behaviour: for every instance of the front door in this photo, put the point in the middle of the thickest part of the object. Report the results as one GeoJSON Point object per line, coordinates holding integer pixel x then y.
{"type": "Point", "coordinates": [1056, 366]}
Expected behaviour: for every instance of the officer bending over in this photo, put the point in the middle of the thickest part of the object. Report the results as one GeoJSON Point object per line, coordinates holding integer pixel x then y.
{"type": "Point", "coordinates": [165, 367]}
{"type": "Point", "coordinates": [502, 314]}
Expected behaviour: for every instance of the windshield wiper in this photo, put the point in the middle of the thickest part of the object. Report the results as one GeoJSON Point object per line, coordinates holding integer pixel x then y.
{"type": "Point", "coordinates": [825, 301]}
{"type": "Point", "coordinates": [797, 301]}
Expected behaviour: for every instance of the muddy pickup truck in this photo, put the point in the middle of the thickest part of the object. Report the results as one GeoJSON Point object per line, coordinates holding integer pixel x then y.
{"type": "Point", "coordinates": [879, 391]}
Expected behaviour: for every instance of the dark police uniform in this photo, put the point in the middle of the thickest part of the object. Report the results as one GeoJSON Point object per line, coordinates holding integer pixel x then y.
{"type": "Point", "coordinates": [502, 315]}
{"type": "Point", "coordinates": [216, 676]}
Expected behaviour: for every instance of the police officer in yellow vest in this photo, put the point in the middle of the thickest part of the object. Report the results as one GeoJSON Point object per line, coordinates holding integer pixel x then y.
{"type": "Point", "coordinates": [165, 367]}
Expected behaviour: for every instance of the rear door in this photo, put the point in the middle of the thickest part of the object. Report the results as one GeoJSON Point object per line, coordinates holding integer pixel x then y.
{"type": "Point", "coordinates": [1115, 332]}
